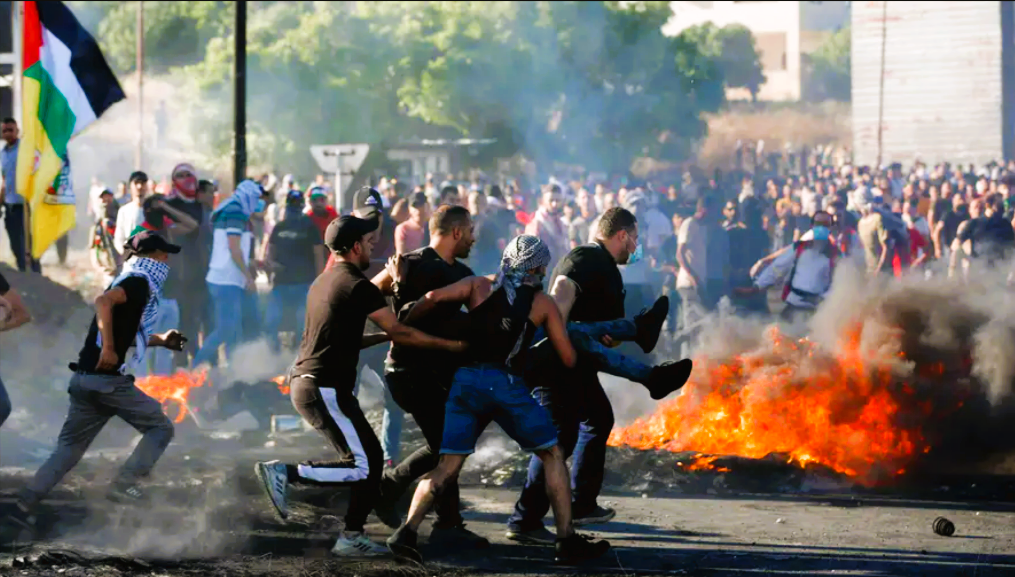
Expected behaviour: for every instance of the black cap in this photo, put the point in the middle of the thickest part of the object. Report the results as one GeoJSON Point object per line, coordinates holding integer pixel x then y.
{"type": "Point", "coordinates": [146, 242]}
{"type": "Point", "coordinates": [345, 231]}
{"type": "Point", "coordinates": [294, 198]}
{"type": "Point", "coordinates": [138, 175]}
{"type": "Point", "coordinates": [367, 202]}
{"type": "Point", "coordinates": [417, 200]}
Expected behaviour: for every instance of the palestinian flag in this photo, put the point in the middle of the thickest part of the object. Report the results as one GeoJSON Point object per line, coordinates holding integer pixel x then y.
{"type": "Point", "coordinates": [66, 85]}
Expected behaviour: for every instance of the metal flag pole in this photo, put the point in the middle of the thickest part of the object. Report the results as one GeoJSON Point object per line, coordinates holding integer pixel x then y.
{"type": "Point", "coordinates": [18, 37]}
{"type": "Point", "coordinates": [139, 153]}
{"type": "Point", "coordinates": [240, 94]}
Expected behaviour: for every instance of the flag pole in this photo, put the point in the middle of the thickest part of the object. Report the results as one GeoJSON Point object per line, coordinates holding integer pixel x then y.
{"type": "Point", "coordinates": [139, 153]}
{"type": "Point", "coordinates": [240, 94]}
{"type": "Point", "coordinates": [18, 38]}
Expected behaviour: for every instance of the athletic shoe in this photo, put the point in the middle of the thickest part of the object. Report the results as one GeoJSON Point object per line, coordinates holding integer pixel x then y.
{"type": "Point", "coordinates": [650, 323]}
{"type": "Point", "coordinates": [124, 493]}
{"type": "Point", "coordinates": [458, 535]}
{"type": "Point", "coordinates": [275, 482]}
{"type": "Point", "coordinates": [540, 536]}
{"type": "Point", "coordinates": [594, 517]}
{"type": "Point", "coordinates": [403, 544]}
{"type": "Point", "coordinates": [668, 377]}
{"type": "Point", "coordinates": [19, 524]}
{"type": "Point", "coordinates": [579, 548]}
{"type": "Point", "coordinates": [357, 545]}
{"type": "Point", "coordinates": [386, 512]}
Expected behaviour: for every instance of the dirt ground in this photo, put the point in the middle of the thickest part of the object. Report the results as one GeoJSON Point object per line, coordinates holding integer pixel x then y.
{"type": "Point", "coordinates": [208, 517]}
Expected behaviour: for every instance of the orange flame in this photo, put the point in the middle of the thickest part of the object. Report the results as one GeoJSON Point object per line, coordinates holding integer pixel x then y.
{"type": "Point", "coordinates": [703, 463]}
{"type": "Point", "coordinates": [841, 411]}
{"type": "Point", "coordinates": [173, 388]}
{"type": "Point", "coordinates": [282, 387]}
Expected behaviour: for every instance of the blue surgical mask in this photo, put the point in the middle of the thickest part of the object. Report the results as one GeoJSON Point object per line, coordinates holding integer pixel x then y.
{"type": "Point", "coordinates": [820, 232]}
{"type": "Point", "coordinates": [637, 255]}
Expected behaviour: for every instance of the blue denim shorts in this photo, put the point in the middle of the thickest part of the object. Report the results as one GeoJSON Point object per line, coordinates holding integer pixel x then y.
{"type": "Point", "coordinates": [485, 393]}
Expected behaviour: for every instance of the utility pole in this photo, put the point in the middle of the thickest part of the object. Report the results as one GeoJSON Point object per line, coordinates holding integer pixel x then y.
{"type": "Point", "coordinates": [139, 153]}
{"type": "Point", "coordinates": [240, 95]}
{"type": "Point", "coordinates": [881, 88]}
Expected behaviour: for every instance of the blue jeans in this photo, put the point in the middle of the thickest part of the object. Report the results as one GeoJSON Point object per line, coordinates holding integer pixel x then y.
{"type": "Point", "coordinates": [484, 393]}
{"type": "Point", "coordinates": [228, 303]}
{"type": "Point", "coordinates": [161, 358]}
{"type": "Point", "coordinates": [5, 404]}
{"type": "Point", "coordinates": [280, 296]}
{"type": "Point", "coordinates": [585, 339]}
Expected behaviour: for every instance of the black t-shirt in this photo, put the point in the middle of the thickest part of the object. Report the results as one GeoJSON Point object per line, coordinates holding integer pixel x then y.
{"type": "Point", "coordinates": [186, 271]}
{"type": "Point", "coordinates": [5, 286]}
{"type": "Point", "coordinates": [427, 271]}
{"type": "Point", "coordinates": [338, 304]}
{"type": "Point", "coordinates": [293, 240]}
{"type": "Point", "coordinates": [600, 287]}
{"type": "Point", "coordinates": [126, 322]}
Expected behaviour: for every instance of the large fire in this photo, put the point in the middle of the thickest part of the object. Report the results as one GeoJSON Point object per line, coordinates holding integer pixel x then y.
{"type": "Point", "coordinates": [845, 411]}
{"type": "Point", "coordinates": [282, 387]}
{"type": "Point", "coordinates": [173, 390]}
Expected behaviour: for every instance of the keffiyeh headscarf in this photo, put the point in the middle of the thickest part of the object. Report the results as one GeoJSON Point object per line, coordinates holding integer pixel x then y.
{"type": "Point", "coordinates": [184, 184]}
{"type": "Point", "coordinates": [523, 253]}
{"type": "Point", "coordinates": [155, 273]}
{"type": "Point", "coordinates": [246, 196]}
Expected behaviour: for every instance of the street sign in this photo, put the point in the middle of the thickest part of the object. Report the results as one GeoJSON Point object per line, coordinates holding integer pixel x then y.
{"type": "Point", "coordinates": [331, 157]}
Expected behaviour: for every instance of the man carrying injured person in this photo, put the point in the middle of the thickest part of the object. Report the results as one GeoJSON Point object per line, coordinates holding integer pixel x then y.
{"type": "Point", "coordinates": [505, 312]}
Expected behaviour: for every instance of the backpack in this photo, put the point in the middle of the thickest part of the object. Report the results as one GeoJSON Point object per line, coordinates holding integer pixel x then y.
{"type": "Point", "coordinates": [799, 247]}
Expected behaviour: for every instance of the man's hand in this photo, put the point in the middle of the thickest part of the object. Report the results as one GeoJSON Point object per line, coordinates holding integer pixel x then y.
{"type": "Point", "coordinates": [608, 341]}
{"type": "Point", "coordinates": [172, 340]}
{"type": "Point", "coordinates": [396, 268]}
{"type": "Point", "coordinates": [251, 285]}
{"type": "Point", "coordinates": [107, 359]}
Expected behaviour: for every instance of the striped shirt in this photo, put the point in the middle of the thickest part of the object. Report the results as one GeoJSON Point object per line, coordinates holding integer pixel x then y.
{"type": "Point", "coordinates": [9, 168]}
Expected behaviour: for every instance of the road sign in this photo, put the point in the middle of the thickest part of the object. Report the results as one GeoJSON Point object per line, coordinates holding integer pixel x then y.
{"type": "Point", "coordinates": [331, 157]}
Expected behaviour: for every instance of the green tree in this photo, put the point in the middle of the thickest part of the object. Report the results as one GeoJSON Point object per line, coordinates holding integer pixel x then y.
{"type": "Point", "coordinates": [828, 74]}
{"type": "Point", "coordinates": [733, 50]}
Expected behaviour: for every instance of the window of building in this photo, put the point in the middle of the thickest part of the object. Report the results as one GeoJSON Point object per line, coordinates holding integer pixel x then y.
{"type": "Point", "coordinates": [772, 46]}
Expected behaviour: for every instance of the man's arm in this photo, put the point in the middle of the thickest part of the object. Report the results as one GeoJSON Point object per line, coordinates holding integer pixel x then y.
{"type": "Point", "coordinates": [460, 292]}
{"type": "Point", "coordinates": [237, 253]}
{"type": "Point", "coordinates": [383, 281]}
{"type": "Point", "coordinates": [550, 319]}
{"type": "Point", "coordinates": [104, 304]}
{"type": "Point", "coordinates": [19, 312]}
{"type": "Point", "coordinates": [185, 224]}
{"type": "Point", "coordinates": [564, 292]}
{"type": "Point", "coordinates": [407, 336]}
{"type": "Point", "coordinates": [371, 340]}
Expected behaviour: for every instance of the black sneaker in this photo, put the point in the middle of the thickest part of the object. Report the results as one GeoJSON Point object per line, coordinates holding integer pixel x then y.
{"type": "Point", "coordinates": [125, 494]}
{"type": "Point", "coordinates": [385, 511]}
{"type": "Point", "coordinates": [458, 535]}
{"type": "Point", "coordinates": [403, 544]}
{"type": "Point", "coordinates": [593, 517]}
{"type": "Point", "coordinates": [579, 548]}
{"type": "Point", "coordinates": [668, 377]}
{"type": "Point", "coordinates": [20, 523]}
{"type": "Point", "coordinates": [539, 536]}
{"type": "Point", "coordinates": [650, 323]}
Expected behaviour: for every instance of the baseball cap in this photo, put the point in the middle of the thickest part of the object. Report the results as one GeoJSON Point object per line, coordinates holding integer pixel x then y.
{"type": "Point", "coordinates": [138, 175]}
{"type": "Point", "coordinates": [317, 191]}
{"type": "Point", "coordinates": [347, 230]}
{"type": "Point", "coordinates": [367, 202]}
{"type": "Point", "coordinates": [417, 200]}
{"type": "Point", "coordinates": [147, 242]}
{"type": "Point", "coordinates": [294, 197]}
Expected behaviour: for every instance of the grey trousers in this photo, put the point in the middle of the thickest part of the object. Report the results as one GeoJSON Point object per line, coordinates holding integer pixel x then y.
{"type": "Point", "coordinates": [94, 399]}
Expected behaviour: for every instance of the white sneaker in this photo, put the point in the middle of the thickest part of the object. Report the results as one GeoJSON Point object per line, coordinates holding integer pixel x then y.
{"type": "Point", "coordinates": [357, 545]}
{"type": "Point", "coordinates": [275, 482]}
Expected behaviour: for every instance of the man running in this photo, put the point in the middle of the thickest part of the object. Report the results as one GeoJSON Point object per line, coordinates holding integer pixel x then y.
{"type": "Point", "coordinates": [324, 375]}
{"type": "Point", "coordinates": [125, 316]}
{"type": "Point", "coordinates": [504, 312]}
{"type": "Point", "coordinates": [13, 314]}
{"type": "Point", "coordinates": [419, 380]}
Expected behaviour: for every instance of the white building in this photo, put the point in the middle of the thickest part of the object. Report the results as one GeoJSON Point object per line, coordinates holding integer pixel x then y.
{"type": "Point", "coordinates": [783, 31]}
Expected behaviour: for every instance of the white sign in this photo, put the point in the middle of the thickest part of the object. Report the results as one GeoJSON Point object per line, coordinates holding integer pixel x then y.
{"type": "Point", "coordinates": [331, 157]}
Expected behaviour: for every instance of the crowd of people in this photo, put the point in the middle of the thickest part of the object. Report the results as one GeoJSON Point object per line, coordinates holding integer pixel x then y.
{"type": "Point", "coordinates": [553, 278]}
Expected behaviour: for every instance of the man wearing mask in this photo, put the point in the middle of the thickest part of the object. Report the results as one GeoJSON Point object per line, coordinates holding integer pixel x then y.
{"type": "Point", "coordinates": [805, 270]}
{"type": "Point", "coordinates": [548, 224]}
{"type": "Point", "coordinates": [189, 272]}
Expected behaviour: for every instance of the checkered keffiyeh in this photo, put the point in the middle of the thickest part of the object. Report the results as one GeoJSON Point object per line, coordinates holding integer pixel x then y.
{"type": "Point", "coordinates": [522, 254]}
{"type": "Point", "coordinates": [155, 273]}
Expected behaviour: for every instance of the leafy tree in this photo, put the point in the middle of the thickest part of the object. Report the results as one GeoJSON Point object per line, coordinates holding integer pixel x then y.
{"type": "Point", "coordinates": [733, 50]}
{"type": "Point", "coordinates": [828, 74]}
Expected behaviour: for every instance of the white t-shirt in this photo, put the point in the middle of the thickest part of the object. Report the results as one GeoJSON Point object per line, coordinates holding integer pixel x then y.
{"type": "Point", "coordinates": [221, 268]}
{"type": "Point", "coordinates": [128, 218]}
{"type": "Point", "coordinates": [692, 234]}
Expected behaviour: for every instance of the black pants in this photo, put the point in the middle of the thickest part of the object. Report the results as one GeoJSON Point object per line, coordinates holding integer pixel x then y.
{"type": "Point", "coordinates": [422, 393]}
{"type": "Point", "coordinates": [337, 415]}
{"type": "Point", "coordinates": [584, 418]}
{"type": "Point", "coordinates": [14, 222]}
